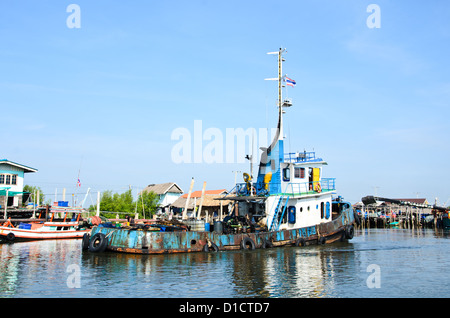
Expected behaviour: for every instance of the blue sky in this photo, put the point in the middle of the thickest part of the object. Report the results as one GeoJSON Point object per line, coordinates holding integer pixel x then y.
{"type": "Point", "coordinates": [105, 98]}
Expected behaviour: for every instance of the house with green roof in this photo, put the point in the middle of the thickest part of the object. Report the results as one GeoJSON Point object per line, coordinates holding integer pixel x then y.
{"type": "Point", "coordinates": [12, 182]}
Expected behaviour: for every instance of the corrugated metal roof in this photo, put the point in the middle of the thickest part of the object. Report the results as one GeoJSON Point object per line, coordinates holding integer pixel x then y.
{"type": "Point", "coordinates": [198, 194]}
{"type": "Point", "coordinates": [208, 201]}
{"type": "Point", "coordinates": [163, 188]}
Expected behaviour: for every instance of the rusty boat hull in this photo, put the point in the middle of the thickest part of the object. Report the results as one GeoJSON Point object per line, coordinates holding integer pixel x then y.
{"type": "Point", "coordinates": [139, 241]}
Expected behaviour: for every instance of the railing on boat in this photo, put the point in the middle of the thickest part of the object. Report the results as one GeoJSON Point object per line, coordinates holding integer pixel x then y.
{"type": "Point", "coordinates": [324, 185]}
{"type": "Point", "coordinates": [302, 188]}
{"type": "Point", "coordinates": [295, 157]}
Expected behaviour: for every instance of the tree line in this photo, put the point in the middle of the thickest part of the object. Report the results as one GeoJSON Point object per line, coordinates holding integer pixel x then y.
{"type": "Point", "coordinates": [145, 204]}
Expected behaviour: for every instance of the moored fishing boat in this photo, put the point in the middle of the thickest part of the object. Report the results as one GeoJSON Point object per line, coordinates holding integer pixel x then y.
{"type": "Point", "coordinates": [290, 203]}
{"type": "Point", "coordinates": [66, 227]}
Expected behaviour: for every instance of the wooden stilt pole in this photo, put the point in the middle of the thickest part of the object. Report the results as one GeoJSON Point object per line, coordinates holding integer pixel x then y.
{"type": "Point", "coordinates": [184, 217]}
{"type": "Point", "coordinates": [199, 212]}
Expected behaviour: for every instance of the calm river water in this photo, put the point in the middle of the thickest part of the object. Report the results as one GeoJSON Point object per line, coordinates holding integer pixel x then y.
{"type": "Point", "coordinates": [375, 263]}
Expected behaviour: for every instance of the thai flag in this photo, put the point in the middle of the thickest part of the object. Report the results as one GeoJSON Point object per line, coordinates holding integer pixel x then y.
{"type": "Point", "coordinates": [289, 81]}
{"type": "Point", "coordinates": [78, 183]}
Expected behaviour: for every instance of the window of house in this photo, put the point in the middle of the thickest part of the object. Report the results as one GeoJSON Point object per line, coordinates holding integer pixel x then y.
{"type": "Point", "coordinates": [8, 179]}
{"type": "Point", "coordinates": [2, 179]}
{"type": "Point", "coordinates": [299, 173]}
{"type": "Point", "coordinates": [14, 179]}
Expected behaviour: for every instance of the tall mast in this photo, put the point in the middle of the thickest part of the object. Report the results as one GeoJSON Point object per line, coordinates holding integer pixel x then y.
{"type": "Point", "coordinates": [279, 135]}
{"type": "Point", "coordinates": [280, 100]}
{"type": "Point", "coordinates": [273, 155]}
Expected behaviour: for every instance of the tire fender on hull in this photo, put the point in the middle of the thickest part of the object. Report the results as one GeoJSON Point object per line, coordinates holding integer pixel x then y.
{"type": "Point", "coordinates": [321, 240]}
{"type": "Point", "coordinates": [266, 244]}
{"type": "Point", "coordinates": [349, 232]}
{"type": "Point", "coordinates": [247, 243]}
{"type": "Point", "coordinates": [85, 242]}
{"type": "Point", "coordinates": [10, 237]}
{"type": "Point", "coordinates": [98, 243]}
{"type": "Point", "coordinates": [210, 247]}
{"type": "Point", "coordinates": [300, 242]}
{"type": "Point", "coordinates": [357, 219]}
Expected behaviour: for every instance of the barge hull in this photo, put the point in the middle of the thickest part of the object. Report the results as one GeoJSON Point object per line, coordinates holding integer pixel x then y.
{"type": "Point", "coordinates": [140, 241]}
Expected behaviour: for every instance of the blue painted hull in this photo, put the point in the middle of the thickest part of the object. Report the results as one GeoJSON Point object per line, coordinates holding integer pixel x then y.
{"type": "Point", "coordinates": [149, 242]}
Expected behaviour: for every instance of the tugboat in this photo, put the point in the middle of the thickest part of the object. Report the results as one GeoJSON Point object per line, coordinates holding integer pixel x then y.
{"type": "Point", "coordinates": [290, 203]}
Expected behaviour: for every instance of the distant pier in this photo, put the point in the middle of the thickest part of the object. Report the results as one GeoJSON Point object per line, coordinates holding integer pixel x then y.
{"type": "Point", "coordinates": [403, 221]}
{"type": "Point", "coordinates": [376, 212]}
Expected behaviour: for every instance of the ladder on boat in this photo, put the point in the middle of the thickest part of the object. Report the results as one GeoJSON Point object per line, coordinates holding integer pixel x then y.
{"type": "Point", "coordinates": [277, 218]}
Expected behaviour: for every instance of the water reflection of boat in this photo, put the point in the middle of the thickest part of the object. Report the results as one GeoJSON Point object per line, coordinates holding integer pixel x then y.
{"type": "Point", "coordinates": [66, 227]}
{"type": "Point", "coordinates": [290, 203]}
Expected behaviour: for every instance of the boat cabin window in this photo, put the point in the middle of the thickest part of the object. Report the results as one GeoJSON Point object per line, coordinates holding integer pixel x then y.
{"type": "Point", "coordinates": [322, 210]}
{"type": "Point", "coordinates": [286, 174]}
{"type": "Point", "coordinates": [299, 173]}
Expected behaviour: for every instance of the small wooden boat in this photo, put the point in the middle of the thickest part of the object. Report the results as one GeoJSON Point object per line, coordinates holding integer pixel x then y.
{"type": "Point", "coordinates": [56, 228]}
